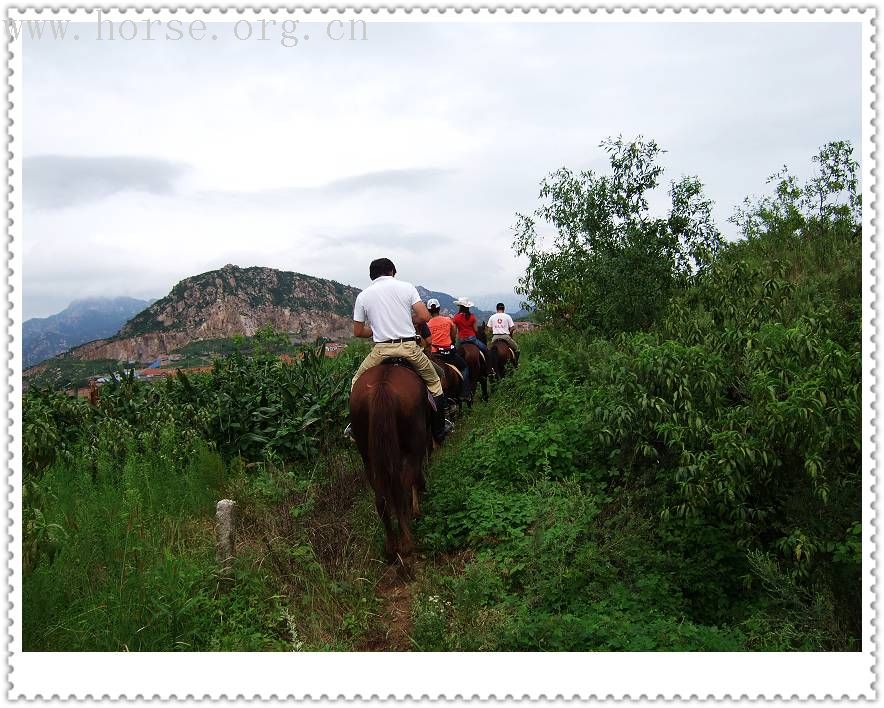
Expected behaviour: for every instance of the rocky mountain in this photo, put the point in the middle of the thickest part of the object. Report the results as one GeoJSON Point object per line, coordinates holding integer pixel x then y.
{"type": "Point", "coordinates": [446, 303]}
{"type": "Point", "coordinates": [226, 302]}
{"type": "Point", "coordinates": [82, 321]}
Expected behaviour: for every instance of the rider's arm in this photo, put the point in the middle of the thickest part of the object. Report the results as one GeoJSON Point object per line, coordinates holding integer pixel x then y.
{"type": "Point", "coordinates": [360, 329]}
{"type": "Point", "coordinates": [425, 335]}
{"type": "Point", "coordinates": [420, 313]}
{"type": "Point", "coordinates": [453, 332]}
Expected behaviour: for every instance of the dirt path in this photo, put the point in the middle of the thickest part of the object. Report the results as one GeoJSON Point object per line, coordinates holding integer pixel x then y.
{"type": "Point", "coordinates": [395, 594]}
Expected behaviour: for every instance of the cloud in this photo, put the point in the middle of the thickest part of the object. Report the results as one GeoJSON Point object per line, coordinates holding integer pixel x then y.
{"type": "Point", "coordinates": [321, 160]}
{"type": "Point", "coordinates": [413, 181]}
{"type": "Point", "coordinates": [389, 236]}
{"type": "Point", "coordinates": [59, 181]}
{"type": "Point", "coordinates": [408, 180]}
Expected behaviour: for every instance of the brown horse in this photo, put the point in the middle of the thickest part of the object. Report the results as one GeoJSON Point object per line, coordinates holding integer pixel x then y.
{"type": "Point", "coordinates": [478, 368]}
{"type": "Point", "coordinates": [391, 425]}
{"type": "Point", "coordinates": [500, 354]}
{"type": "Point", "coordinates": [452, 380]}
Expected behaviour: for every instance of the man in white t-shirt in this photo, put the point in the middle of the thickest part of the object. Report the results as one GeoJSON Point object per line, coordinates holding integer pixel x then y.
{"type": "Point", "coordinates": [502, 327]}
{"type": "Point", "coordinates": [387, 312]}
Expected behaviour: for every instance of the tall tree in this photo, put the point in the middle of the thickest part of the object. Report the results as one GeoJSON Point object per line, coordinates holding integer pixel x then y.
{"type": "Point", "coordinates": [612, 265]}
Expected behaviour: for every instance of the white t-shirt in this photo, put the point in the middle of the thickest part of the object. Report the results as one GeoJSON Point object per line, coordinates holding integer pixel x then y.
{"type": "Point", "coordinates": [385, 306]}
{"type": "Point", "coordinates": [500, 323]}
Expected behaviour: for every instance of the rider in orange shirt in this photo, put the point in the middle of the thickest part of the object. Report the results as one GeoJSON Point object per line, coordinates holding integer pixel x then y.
{"type": "Point", "coordinates": [442, 335]}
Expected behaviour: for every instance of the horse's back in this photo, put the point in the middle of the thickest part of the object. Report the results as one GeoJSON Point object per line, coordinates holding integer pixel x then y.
{"type": "Point", "coordinates": [400, 391]}
{"type": "Point", "coordinates": [402, 383]}
{"type": "Point", "coordinates": [503, 349]}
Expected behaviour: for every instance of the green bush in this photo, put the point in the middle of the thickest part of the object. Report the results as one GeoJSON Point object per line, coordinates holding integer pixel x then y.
{"type": "Point", "coordinates": [693, 486]}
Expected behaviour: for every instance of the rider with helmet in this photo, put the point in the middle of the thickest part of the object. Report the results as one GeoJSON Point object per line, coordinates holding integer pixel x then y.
{"type": "Point", "coordinates": [442, 336]}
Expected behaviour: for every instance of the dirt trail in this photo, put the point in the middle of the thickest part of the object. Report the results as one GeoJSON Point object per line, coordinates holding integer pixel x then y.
{"type": "Point", "coordinates": [395, 594]}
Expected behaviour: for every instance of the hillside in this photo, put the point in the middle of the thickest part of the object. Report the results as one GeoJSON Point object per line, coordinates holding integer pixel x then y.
{"type": "Point", "coordinates": [82, 321]}
{"type": "Point", "coordinates": [227, 302]}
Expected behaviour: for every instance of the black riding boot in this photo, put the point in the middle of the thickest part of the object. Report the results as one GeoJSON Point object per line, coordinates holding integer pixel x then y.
{"type": "Point", "coordinates": [516, 362]}
{"type": "Point", "coordinates": [441, 426]}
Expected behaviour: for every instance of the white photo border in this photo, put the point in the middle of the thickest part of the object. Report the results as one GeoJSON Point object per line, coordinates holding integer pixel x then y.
{"type": "Point", "coordinates": [703, 676]}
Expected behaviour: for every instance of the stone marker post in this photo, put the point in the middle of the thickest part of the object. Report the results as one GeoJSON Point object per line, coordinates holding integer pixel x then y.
{"type": "Point", "coordinates": [225, 531]}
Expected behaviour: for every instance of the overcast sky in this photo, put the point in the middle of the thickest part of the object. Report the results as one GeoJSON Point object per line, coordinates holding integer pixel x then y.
{"type": "Point", "coordinates": [147, 162]}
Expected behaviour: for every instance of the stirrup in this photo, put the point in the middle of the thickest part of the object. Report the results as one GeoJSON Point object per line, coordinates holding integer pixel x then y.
{"type": "Point", "coordinates": [348, 433]}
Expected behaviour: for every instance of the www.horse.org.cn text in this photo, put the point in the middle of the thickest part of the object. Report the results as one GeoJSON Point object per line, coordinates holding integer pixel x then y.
{"type": "Point", "coordinates": [285, 32]}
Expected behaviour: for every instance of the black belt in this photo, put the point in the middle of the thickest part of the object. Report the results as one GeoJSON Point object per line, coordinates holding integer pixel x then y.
{"type": "Point", "coordinates": [401, 340]}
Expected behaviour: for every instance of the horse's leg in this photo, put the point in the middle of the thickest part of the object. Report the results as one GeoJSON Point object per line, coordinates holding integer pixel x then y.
{"type": "Point", "coordinates": [485, 388]}
{"type": "Point", "coordinates": [389, 538]}
{"type": "Point", "coordinates": [406, 540]}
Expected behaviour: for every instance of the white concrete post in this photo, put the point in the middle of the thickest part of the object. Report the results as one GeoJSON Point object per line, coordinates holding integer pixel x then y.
{"type": "Point", "coordinates": [225, 531]}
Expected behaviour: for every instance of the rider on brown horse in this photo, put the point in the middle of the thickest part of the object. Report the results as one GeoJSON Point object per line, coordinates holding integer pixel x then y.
{"type": "Point", "coordinates": [502, 327]}
{"type": "Point", "coordinates": [467, 325]}
{"type": "Point", "coordinates": [443, 332]}
{"type": "Point", "coordinates": [387, 311]}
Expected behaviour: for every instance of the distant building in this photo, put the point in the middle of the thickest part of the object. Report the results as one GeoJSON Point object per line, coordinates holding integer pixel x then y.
{"type": "Point", "coordinates": [525, 326]}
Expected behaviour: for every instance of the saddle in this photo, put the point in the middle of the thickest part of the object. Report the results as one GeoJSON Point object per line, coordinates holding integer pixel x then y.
{"type": "Point", "coordinates": [402, 361]}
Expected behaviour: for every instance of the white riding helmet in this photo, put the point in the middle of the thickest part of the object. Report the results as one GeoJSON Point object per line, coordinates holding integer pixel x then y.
{"type": "Point", "coordinates": [431, 303]}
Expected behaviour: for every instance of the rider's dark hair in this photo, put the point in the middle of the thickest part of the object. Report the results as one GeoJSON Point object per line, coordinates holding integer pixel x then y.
{"type": "Point", "coordinates": [434, 310]}
{"type": "Point", "coordinates": [464, 309]}
{"type": "Point", "coordinates": [500, 307]}
{"type": "Point", "coordinates": [381, 266]}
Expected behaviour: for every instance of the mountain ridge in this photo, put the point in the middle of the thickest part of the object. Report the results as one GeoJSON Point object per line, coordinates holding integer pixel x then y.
{"type": "Point", "coordinates": [231, 301]}
{"type": "Point", "coordinates": [83, 320]}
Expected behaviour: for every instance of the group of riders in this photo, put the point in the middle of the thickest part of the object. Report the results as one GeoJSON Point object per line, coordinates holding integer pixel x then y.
{"type": "Point", "coordinates": [402, 326]}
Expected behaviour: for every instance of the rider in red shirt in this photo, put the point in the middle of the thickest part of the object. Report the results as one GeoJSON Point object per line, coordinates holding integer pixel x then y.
{"type": "Point", "coordinates": [465, 322]}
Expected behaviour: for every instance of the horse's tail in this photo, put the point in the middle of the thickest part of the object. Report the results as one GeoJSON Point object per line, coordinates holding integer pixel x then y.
{"type": "Point", "coordinates": [383, 445]}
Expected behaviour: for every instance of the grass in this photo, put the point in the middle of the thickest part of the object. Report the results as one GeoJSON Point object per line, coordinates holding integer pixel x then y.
{"type": "Point", "coordinates": [127, 562]}
{"type": "Point", "coordinates": [126, 557]}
